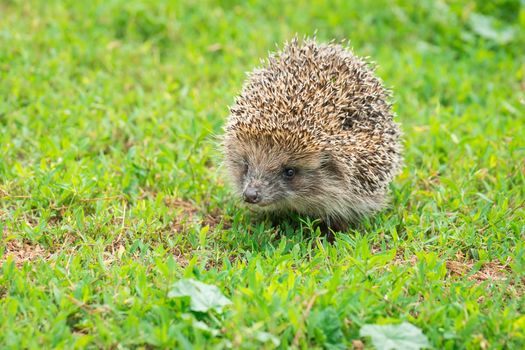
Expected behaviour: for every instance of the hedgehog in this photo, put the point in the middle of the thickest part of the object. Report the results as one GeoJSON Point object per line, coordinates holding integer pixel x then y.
{"type": "Point", "coordinates": [313, 132]}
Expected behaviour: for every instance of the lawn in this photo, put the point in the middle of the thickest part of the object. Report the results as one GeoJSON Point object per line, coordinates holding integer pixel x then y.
{"type": "Point", "coordinates": [112, 194]}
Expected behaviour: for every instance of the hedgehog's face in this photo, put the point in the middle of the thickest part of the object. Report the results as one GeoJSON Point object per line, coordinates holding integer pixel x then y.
{"type": "Point", "coordinates": [272, 177]}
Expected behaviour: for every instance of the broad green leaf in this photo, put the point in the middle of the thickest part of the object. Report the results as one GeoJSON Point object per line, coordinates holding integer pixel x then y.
{"type": "Point", "coordinates": [203, 297]}
{"type": "Point", "coordinates": [325, 327]}
{"type": "Point", "coordinates": [484, 26]}
{"type": "Point", "coordinates": [404, 336]}
{"type": "Point", "coordinates": [264, 337]}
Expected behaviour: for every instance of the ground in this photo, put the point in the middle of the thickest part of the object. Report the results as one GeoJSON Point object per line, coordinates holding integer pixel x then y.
{"type": "Point", "coordinates": [111, 188]}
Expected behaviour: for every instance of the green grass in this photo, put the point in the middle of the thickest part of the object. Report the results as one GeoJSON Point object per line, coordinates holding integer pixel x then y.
{"type": "Point", "coordinates": [111, 188]}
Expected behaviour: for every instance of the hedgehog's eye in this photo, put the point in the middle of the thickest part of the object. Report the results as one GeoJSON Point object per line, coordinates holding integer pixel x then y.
{"type": "Point", "coordinates": [289, 173]}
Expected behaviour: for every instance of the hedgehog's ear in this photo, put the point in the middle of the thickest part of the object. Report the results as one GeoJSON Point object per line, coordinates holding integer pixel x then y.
{"type": "Point", "coordinates": [329, 164]}
{"type": "Point", "coordinates": [326, 158]}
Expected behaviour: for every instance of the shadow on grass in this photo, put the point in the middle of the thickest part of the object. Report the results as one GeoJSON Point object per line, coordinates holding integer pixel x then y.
{"type": "Point", "coordinates": [259, 232]}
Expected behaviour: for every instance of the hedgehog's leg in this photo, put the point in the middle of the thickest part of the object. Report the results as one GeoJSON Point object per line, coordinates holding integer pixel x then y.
{"type": "Point", "coordinates": [327, 231]}
{"type": "Point", "coordinates": [339, 225]}
{"type": "Point", "coordinates": [328, 226]}
{"type": "Point", "coordinates": [333, 225]}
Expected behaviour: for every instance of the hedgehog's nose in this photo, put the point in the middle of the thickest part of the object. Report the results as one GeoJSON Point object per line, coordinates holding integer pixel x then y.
{"type": "Point", "coordinates": [251, 195]}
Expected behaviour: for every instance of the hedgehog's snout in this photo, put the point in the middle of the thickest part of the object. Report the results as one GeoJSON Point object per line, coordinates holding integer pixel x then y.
{"type": "Point", "coordinates": [257, 191]}
{"type": "Point", "coordinates": [251, 195]}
